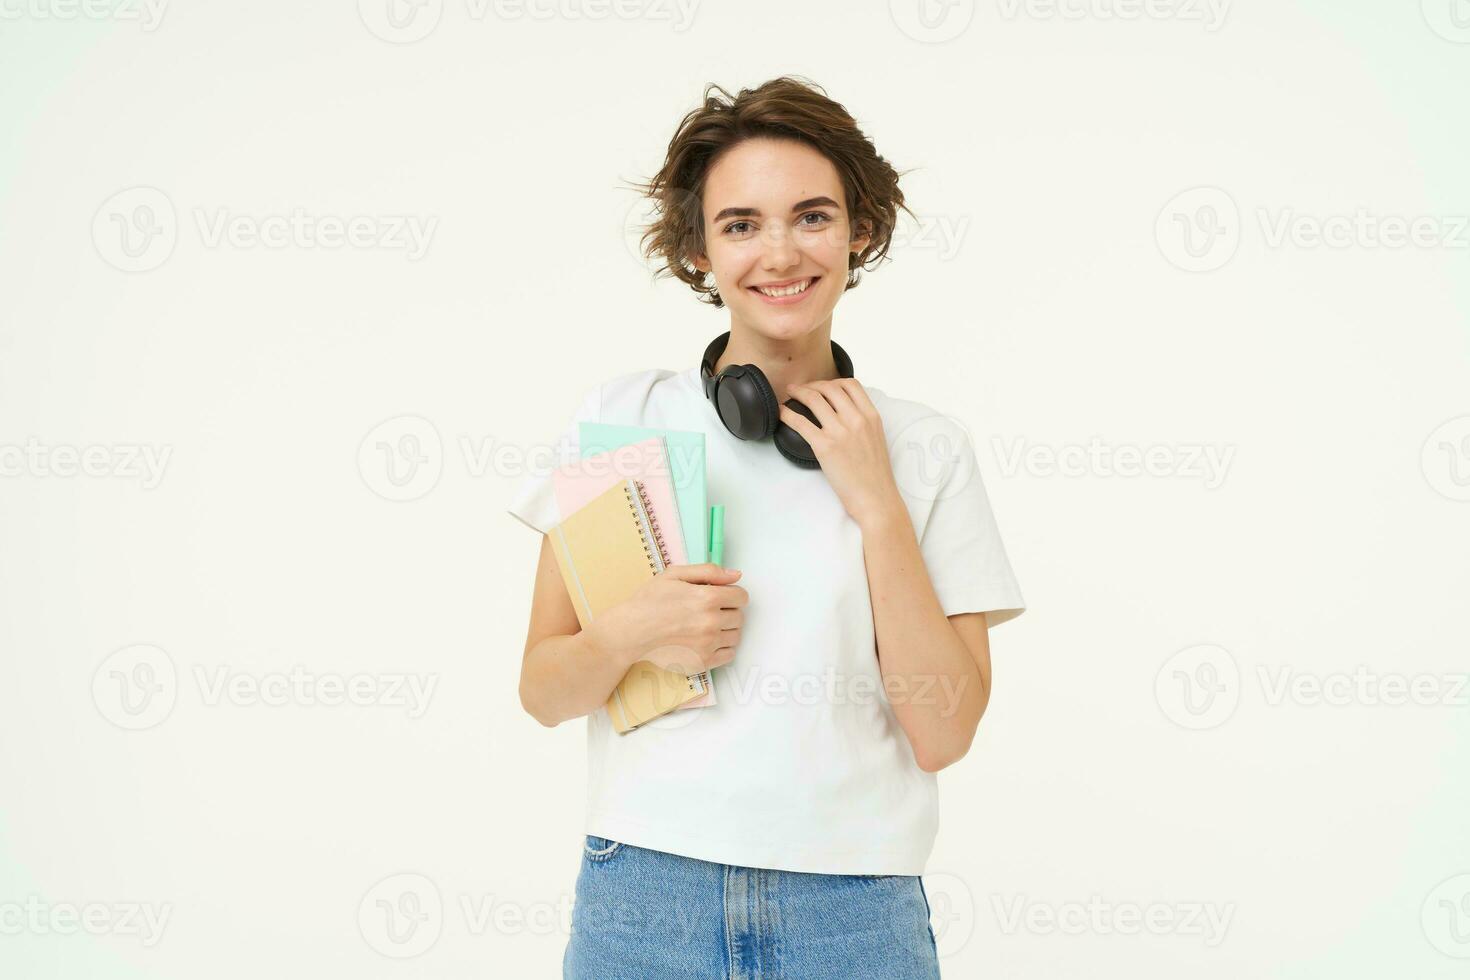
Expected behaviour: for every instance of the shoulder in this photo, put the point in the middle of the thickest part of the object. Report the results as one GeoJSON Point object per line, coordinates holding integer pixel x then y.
{"type": "Point", "coordinates": [638, 382]}
{"type": "Point", "coordinates": [635, 387]}
{"type": "Point", "coordinates": [907, 418]}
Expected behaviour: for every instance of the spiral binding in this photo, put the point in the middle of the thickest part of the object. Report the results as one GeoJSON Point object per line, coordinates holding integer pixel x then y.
{"type": "Point", "coordinates": [647, 514]}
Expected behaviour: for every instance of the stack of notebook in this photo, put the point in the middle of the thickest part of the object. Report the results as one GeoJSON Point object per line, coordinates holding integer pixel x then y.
{"type": "Point", "coordinates": [632, 505]}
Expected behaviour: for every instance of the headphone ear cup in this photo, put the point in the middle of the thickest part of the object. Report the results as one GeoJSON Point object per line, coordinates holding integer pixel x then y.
{"type": "Point", "coordinates": [791, 444]}
{"type": "Point", "coordinates": [770, 413]}
{"type": "Point", "coordinates": [745, 402]}
{"type": "Point", "coordinates": [806, 462]}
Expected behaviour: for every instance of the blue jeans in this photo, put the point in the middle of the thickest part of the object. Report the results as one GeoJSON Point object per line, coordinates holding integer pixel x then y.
{"type": "Point", "coordinates": [641, 914]}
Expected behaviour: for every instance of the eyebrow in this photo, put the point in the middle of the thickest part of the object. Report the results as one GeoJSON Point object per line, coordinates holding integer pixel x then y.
{"type": "Point", "coordinates": [811, 202]}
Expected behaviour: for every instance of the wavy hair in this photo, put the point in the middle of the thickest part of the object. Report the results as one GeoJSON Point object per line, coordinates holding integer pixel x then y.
{"type": "Point", "coordinates": [789, 108]}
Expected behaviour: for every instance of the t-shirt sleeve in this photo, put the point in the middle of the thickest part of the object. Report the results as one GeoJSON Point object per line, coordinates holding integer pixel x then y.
{"type": "Point", "coordinates": [961, 544]}
{"type": "Point", "coordinates": [533, 502]}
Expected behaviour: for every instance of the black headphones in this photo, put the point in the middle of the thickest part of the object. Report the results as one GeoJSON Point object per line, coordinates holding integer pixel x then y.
{"type": "Point", "coordinates": [746, 404]}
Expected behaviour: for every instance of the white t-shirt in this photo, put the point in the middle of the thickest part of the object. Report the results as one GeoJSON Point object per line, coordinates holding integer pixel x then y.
{"type": "Point", "coordinates": [801, 764]}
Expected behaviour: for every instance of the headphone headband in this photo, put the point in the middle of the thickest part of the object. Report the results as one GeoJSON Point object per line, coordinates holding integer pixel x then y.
{"type": "Point", "coordinates": [717, 347]}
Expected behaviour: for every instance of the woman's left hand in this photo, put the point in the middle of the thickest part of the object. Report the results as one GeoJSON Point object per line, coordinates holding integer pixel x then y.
{"type": "Point", "coordinates": [850, 444]}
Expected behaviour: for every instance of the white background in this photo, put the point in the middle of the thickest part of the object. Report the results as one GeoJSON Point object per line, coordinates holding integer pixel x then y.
{"type": "Point", "coordinates": [330, 501]}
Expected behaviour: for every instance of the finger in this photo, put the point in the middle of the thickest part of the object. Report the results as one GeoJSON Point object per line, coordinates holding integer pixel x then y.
{"type": "Point", "coordinates": [841, 398]}
{"type": "Point", "coordinates": [804, 426]}
{"type": "Point", "coordinates": [835, 391]}
{"type": "Point", "coordinates": [702, 573]}
{"type": "Point", "coordinates": [859, 395]}
{"type": "Point", "coordinates": [727, 596]}
{"type": "Point", "coordinates": [812, 397]}
{"type": "Point", "coordinates": [721, 656]}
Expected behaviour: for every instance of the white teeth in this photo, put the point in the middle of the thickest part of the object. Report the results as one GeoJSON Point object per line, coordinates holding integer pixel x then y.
{"type": "Point", "coordinates": [791, 290]}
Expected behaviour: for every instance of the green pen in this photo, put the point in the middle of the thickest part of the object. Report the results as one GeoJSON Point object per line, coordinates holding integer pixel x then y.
{"type": "Point", "coordinates": [717, 534]}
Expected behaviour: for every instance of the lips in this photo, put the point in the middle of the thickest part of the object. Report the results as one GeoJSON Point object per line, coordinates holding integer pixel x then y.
{"type": "Point", "coordinates": [789, 298]}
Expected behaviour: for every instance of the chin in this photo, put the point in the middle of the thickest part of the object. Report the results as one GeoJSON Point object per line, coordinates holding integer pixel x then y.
{"type": "Point", "coordinates": [782, 330]}
{"type": "Point", "coordinates": [778, 324]}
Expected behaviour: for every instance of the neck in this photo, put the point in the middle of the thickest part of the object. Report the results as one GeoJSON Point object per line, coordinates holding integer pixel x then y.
{"type": "Point", "coordinates": [784, 362]}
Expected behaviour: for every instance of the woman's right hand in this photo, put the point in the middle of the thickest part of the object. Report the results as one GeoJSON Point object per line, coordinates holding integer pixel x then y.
{"type": "Point", "coordinates": [686, 618]}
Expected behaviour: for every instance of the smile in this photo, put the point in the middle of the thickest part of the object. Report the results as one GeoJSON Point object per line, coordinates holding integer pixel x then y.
{"type": "Point", "coordinates": [785, 295]}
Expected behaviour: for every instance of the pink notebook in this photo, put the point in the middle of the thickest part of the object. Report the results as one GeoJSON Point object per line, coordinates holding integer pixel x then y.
{"type": "Point", "coordinates": [578, 482]}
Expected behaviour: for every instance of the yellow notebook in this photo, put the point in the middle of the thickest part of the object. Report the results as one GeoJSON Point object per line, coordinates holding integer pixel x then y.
{"type": "Point", "coordinates": [606, 550]}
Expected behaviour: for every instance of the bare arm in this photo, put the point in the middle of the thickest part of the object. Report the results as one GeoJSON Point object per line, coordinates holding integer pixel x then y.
{"type": "Point", "coordinates": [938, 666]}
{"type": "Point", "coordinates": [562, 674]}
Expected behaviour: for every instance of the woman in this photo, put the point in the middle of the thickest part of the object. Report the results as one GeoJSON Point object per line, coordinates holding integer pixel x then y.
{"type": "Point", "coordinates": [782, 830]}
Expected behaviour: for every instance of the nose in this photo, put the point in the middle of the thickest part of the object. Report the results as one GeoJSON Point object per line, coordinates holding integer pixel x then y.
{"type": "Point", "coordinates": [777, 250]}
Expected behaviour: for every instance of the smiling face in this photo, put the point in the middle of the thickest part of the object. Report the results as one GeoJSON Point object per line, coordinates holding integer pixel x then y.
{"type": "Point", "coordinates": [774, 216]}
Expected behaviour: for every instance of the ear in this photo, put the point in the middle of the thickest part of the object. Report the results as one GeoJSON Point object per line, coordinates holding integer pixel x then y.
{"type": "Point", "coordinates": [863, 235]}
{"type": "Point", "coordinates": [701, 263]}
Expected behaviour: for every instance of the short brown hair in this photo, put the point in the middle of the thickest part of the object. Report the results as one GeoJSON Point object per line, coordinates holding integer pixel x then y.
{"type": "Point", "coordinates": [788, 108]}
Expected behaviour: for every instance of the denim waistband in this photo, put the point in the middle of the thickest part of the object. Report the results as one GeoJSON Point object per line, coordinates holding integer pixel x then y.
{"type": "Point", "coordinates": [646, 914]}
